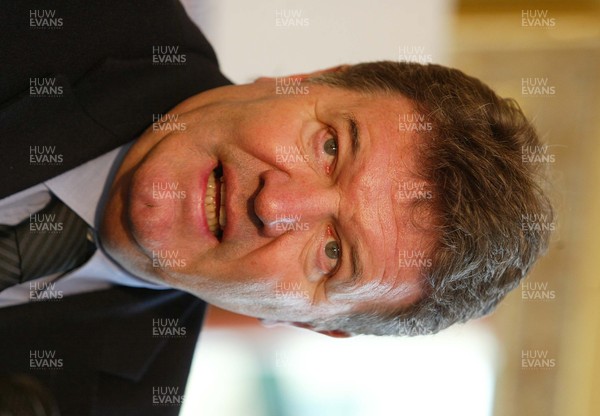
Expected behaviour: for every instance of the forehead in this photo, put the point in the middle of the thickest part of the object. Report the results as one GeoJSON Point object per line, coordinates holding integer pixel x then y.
{"type": "Point", "coordinates": [379, 189]}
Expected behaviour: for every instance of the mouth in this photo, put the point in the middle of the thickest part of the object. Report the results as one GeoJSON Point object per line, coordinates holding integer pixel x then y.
{"type": "Point", "coordinates": [214, 202]}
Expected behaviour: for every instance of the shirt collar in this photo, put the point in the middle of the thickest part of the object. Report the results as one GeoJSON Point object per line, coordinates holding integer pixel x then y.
{"type": "Point", "coordinates": [85, 188]}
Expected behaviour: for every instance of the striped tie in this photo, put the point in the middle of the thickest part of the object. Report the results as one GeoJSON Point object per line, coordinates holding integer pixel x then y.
{"type": "Point", "coordinates": [10, 261]}
{"type": "Point", "coordinates": [54, 240]}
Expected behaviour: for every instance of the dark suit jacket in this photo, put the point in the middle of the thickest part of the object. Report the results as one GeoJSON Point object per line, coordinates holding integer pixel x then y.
{"type": "Point", "coordinates": [101, 55]}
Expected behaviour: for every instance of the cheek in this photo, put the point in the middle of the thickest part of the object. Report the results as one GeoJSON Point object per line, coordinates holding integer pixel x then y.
{"type": "Point", "coordinates": [277, 262]}
{"type": "Point", "coordinates": [264, 128]}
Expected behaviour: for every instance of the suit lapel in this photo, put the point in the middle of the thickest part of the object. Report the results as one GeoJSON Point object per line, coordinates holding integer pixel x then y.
{"type": "Point", "coordinates": [114, 325]}
{"type": "Point", "coordinates": [43, 137]}
{"type": "Point", "coordinates": [141, 330]}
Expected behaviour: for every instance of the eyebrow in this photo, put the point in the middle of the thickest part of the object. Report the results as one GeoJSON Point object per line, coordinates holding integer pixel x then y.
{"type": "Point", "coordinates": [356, 263]}
{"type": "Point", "coordinates": [354, 133]}
{"type": "Point", "coordinates": [357, 266]}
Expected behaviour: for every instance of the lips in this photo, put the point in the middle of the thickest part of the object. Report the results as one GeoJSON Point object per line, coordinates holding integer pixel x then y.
{"type": "Point", "coordinates": [214, 202]}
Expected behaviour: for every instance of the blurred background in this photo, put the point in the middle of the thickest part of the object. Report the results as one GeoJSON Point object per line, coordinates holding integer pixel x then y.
{"type": "Point", "coordinates": [539, 353]}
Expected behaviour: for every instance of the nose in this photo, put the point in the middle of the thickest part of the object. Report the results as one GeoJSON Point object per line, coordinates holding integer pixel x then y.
{"type": "Point", "coordinates": [288, 202]}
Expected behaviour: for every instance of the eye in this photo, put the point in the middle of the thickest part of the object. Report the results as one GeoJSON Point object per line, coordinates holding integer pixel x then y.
{"type": "Point", "coordinates": [327, 150]}
{"type": "Point", "coordinates": [332, 249]}
{"type": "Point", "coordinates": [332, 252]}
{"type": "Point", "coordinates": [331, 147]}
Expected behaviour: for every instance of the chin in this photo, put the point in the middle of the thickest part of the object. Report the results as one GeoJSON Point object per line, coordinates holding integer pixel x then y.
{"type": "Point", "coordinates": [133, 259]}
{"type": "Point", "coordinates": [118, 242]}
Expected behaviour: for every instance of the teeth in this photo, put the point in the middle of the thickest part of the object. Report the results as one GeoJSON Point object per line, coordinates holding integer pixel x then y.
{"type": "Point", "coordinates": [222, 211]}
{"type": "Point", "coordinates": [215, 222]}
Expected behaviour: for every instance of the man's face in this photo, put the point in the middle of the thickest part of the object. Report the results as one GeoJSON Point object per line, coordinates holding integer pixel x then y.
{"type": "Point", "coordinates": [309, 187]}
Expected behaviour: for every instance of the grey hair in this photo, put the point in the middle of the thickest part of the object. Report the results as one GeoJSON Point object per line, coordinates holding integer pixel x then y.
{"type": "Point", "coordinates": [492, 218]}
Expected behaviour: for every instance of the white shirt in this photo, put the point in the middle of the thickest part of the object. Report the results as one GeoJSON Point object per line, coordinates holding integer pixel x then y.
{"type": "Point", "coordinates": [82, 189]}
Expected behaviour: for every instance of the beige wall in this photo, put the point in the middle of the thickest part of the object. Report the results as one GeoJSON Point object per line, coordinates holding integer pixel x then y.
{"type": "Point", "coordinates": [494, 45]}
{"type": "Point", "coordinates": [250, 42]}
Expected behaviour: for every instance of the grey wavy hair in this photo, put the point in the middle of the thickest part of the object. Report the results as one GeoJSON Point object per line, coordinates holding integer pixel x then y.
{"type": "Point", "coordinates": [492, 217]}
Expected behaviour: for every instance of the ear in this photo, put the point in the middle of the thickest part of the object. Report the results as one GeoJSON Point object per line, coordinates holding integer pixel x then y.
{"type": "Point", "coordinates": [335, 333]}
{"type": "Point", "coordinates": [306, 75]}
